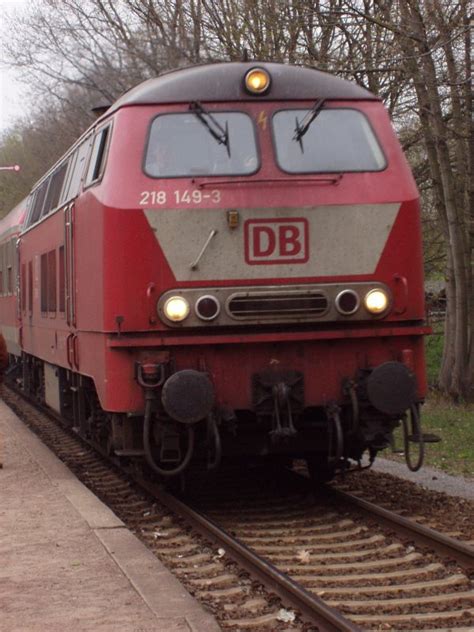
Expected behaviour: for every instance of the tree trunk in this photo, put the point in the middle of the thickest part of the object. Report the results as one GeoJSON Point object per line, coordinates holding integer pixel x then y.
{"type": "Point", "coordinates": [454, 378]}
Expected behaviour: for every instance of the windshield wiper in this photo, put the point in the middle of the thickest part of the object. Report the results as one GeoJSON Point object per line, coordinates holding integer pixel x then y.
{"type": "Point", "coordinates": [218, 132]}
{"type": "Point", "coordinates": [301, 129]}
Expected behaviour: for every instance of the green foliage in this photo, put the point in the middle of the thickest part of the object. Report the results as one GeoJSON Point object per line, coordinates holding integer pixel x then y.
{"type": "Point", "coordinates": [455, 425]}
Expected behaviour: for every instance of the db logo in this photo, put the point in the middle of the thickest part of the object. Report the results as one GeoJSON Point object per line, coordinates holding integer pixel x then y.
{"type": "Point", "coordinates": [272, 241]}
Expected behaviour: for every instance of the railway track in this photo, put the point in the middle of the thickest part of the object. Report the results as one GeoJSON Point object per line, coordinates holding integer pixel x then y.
{"type": "Point", "coordinates": [375, 580]}
{"type": "Point", "coordinates": [411, 530]}
{"type": "Point", "coordinates": [452, 516]}
{"type": "Point", "coordinates": [336, 568]}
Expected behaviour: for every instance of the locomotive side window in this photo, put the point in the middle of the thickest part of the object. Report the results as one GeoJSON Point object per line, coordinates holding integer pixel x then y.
{"type": "Point", "coordinates": [67, 180]}
{"type": "Point", "coordinates": [52, 281]}
{"type": "Point", "coordinates": [47, 197]}
{"type": "Point", "coordinates": [38, 202]}
{"type": "Point", "coordinates": [54, 189]}
{"type": "Point", "coordinates": [23, 287]}
{"type": "Point", "coordinates": [336, 140]}
{"type": "Point", "coordinates": [78, 171]}
{"type": "Point", "coordinates": [187, 144]}
{"type": "Point", "coordinates": [97, 159]}
{"type": "Point", "coordinates": [44, 282]}
{"type": "Point", "coordinates": [30, 288]}
{"type": "Point", "coordinates": [48, 282]}
{"type": "Point", "coordinates": [62, 281]}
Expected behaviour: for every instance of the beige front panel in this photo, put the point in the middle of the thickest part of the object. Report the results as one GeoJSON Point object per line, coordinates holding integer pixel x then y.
{"type": "Point", "coordinates": [334, 241]}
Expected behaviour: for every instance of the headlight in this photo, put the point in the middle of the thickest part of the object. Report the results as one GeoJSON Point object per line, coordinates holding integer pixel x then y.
{"type": "Point", "coordinates": [376, 301]}
{"type": "Point", "coordinates": [176, 309]}
{"type": "Point", "coordinates": [257, 81]}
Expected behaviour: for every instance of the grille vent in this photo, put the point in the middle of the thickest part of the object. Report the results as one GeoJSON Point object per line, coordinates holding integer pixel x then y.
{"type": "Point", "coordinates": [274, 305]}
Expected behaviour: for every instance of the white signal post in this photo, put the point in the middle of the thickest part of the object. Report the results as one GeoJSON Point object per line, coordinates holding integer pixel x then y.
{"type": "Point", "coordinates": [15, 168]}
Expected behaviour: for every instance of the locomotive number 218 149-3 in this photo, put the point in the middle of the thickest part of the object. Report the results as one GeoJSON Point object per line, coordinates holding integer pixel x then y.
{"type": "Point", "coordinates": [179, 197]}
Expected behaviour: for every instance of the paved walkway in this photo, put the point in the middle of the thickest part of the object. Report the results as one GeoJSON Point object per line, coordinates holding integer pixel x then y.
{"type": "Point", "coordinates": [430, 478]}
{"type": "Point", "coordinates": [67, 562]}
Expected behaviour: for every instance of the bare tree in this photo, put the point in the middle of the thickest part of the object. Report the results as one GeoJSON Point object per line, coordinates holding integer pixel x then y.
{"type": "Point", "coordinates": [103, 46]}
{"type": "Point", "coordinates": [438, 75]}
{"type": "Point", "coordinates": [37, 142]}
{"type": "Point", "coordinates": [431, 47]}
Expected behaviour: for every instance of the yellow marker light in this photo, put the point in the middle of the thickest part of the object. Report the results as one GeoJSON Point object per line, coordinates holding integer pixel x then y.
{"type": "Point", "coordinates": [176, 309]}
{"type": "Point", "coordinates": [376, 301]}
{"type": "Point", "coordinates": [257, 81]}
{"type": "Point", "coordinates": [233, 219]}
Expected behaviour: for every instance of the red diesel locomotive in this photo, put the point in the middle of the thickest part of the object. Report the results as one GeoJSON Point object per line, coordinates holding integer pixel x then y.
{"type": "Point", "coordinates": [226, 264]}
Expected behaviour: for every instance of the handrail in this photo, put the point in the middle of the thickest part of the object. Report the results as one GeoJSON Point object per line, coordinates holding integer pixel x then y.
{"type": "Point", "coordinates": [249, 181]}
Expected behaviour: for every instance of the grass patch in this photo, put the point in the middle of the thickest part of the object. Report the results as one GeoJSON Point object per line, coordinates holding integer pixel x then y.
{"type": "Point", "coordinates": [455, 425]}
{"type": "Point", "coordinates": [434, 353]}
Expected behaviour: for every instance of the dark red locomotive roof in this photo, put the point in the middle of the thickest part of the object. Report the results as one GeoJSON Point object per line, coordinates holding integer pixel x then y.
{"type": "Point", "coordinates": [225, 82]}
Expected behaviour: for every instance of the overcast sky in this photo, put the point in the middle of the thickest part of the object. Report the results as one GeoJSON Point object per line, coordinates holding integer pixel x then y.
{"type": "Point", "coordinates": [10, 90]}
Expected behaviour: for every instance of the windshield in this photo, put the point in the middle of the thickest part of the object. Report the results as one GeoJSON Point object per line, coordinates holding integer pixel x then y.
{"type": "Point", "coordinates": [181, 145]}
{"type": "Point", "coordinates": [337, 140]}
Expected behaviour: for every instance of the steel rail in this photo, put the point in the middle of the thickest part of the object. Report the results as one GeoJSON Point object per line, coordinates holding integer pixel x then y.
{"type": "Point", "coordinates": [444, 545]}
{"type": "Point", "coordinates": [311, 607]}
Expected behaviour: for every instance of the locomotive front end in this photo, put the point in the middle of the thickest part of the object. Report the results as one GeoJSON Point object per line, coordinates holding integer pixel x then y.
{"type": "Point", "coordinates": [281, 306]}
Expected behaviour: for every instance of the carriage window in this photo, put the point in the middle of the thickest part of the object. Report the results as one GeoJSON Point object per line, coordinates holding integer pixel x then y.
{"type": "Point", "coordinates": [10, 280]}
{"type": "Point", "coordinates": [190, 145]}
{"type": "Point", "coordinates": [336, 140]}
{"type": "Point", "coordinates": [8, 259]}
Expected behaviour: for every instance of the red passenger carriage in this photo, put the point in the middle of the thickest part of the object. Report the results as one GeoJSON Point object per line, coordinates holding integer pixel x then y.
{"type": "Point", "coordinates": [10, 228]}
{"type": "Point", "coordinates": [229, 263]}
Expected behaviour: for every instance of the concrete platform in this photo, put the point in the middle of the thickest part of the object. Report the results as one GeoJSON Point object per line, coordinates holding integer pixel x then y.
{"type": "Point", "coordinates": [67, 562]}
